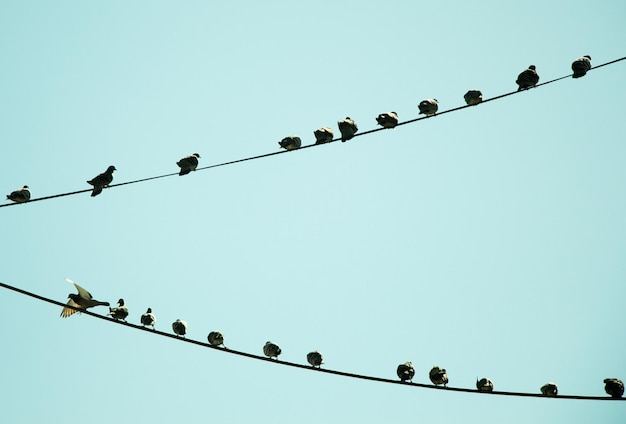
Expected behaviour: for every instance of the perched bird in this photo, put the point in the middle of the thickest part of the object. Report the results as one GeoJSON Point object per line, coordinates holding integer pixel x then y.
{"type": "Point", "coordinates": [484, 385]}
{"type": "Point", "coordinates": [101, 181]}
{"type": "Point", "coordinates": [82, 300]}
{"type": "Point", "coordinates": [188, 164]}
{"type": "Point", "coordinates": [580, 66]}
{"type": "Point", "coordinates": [428, 107]}
{"type": "Point", "coordinates": [180, 327]}
{"type": "Point", "coordinates": [348, 128]}
{"type": "Point", "coordinates": [292, 142]}
{"type": "Point", "coordinates": [315, 359]}
{"type": "Point", "coordinates": [323, 135]}
{"type": "Point", "coordinates": [148, 319]}
{"type": "Point", "coordinates": [528, 78]}
{"type": "Point", "coordinates": [549, 389]}
{"type": "Point", "coordinates": [406, 371]}
{"type": "Point", "coordinates": [438, 376]}
{"type": "Point", "coordinates": [473, 97]}
{"type": "Point", "coordinates": [387, 120]}
{"type": "Point", "coordinates": [121, 312]}
{"type": "Point", "coordinates": [271, 350]}
{"type": "Point", "coordinates": [614, 387]}
{"type": "Point", "coordinates": [21, 195]}
{"type": "Point", "coordinates": [216, 338]}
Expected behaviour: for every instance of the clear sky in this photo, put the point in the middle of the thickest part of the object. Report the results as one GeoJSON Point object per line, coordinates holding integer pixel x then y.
{"type": "Point", "coordinates": [489, 241]}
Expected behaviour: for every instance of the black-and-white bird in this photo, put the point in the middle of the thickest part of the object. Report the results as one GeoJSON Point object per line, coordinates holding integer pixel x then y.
{"type": "Point", "coordinates": [121, 312]}
{"type": "Point", "coordinates": [428, 107]}
{"type": "Point", "coordinates": [580, 66]}
{"type": "Point", "coordinates": [216, 338]}
{"type": "Point", "coordinates": [348, 128]}
{"type": "Point", "coordinates": [82, 300]}
{"type": "Point", "coordinates": [528, 78]}
{"type": "Point", "coordinates": [473, 97]}
{"type": "Point", "coordinates": [614, 387]}
{"type": "Point", "coordinates": [405, 371]}
{"type": "Point", "coordinates": [271, 350]}
{"type": "Point", "coordinates": [549, 389]}
{"type": "Point", "coordinates": [484, 385]}
{"type": "Point", "coordinates": [179, 327]}
{"type": "Point", "coordinates": [21, 195]}
{"type": "Point", "coordinates": [387, 119]}
{"type": "Point", "coordinates": [323, 135]}
{"type": "Point", "coordinates": [438, 376]}
{"type": "Point", "coordinates": [188, 164]}
{"type": "Point", "coordinates": [101, 181]}
{"type": "Point", "coordinates": [292, 142]}
{"type": "Point", "coordinates": [148, 319]}
{"type": "Point", "coordinates": [315, 358]}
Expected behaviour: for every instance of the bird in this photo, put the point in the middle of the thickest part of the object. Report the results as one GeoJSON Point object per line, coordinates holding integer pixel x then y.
{"type": "Point", "coordinates": [21, 195]}
{"type": "Point", "coordinates": [102, 180]}
{"type": "Point", "coordinates": [549, 389]}
{"type": "Point", "coordinates": [438, 376]}
{"type": "Point", "coordinates": [348, 128]}
{"type": "Point", "coordinates": [315, 359]}
{"type": "Point", "coordinates": [180, 327]}
{"type": "Point", "coordinates": [148, 319]}
{"type": "Point", "coordinates": [216, 338]}
{"type": "Point", "coordinates": [271, 350]}
{"type": "Point", "coordinates": [188, 164]}
{"type": "Point", "coordinates": [473, 97]}
{"type": "Point", "coordinates": [428, 107]}
{"type": "Point", "coordinates": [388, 119]}
{"type": "Point", "coordinates": [82, 300]}
{"type": "Point", "coordinates": [323, 135]}
{"type": "Point", "coordinates": [292, 142]}
{"type": "Point", "coordinates": [580, 66]}
{"type": "Point", "coordinates": [406, 371]}
{"type": "Point", "coordinates": [528, 78]}
{"type": "Point", "coordinates": [614, 387]}
{"type": "Point", "coordinates": [121, 312]}
{"type": "Point", "coordinates": [484, 385]}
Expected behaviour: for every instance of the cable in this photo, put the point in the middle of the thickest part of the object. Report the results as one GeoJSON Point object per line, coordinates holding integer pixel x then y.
{"type": "Point", "coordinates": [296, 365]}
{"type": "Point", "coordinates": [310, 145]}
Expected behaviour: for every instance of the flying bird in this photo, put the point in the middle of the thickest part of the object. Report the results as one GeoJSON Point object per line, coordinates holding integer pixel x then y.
{"type": "Point", "coordinates": [387, 119]}
{"type": "Point", "coordinates": [405, 371]}
{"type": "Point", "coordinates": [438, 376]}
{"type": "Point", "coordinates": [348, 128]}
{"type": "Point", "coordinates": [180, 327]}
{"type": "Point", "coordinates": [148, 319]}
{"type": "Point", "coordinates": [82, 300]}
{"type": "Point", "coordinates": [428, 107]}
{"type": "Point", "coordinates": [271, 350]}
{"type": "Point", "coordinates": [473, 97]}
{"type": "Point", "coordinates": [528, 78]}
{"type": "Point", "coordinates": [121, 312]}
{"type": "Point", "coordinates": [216, 338]}
{"type": "Point", "coordinates": [188, 164]}
{"type": "Point", "coordinates": [101, 181]}
{"type": "Point", "coordinates": [21, 195]}
{"type": "Point", "coordinates": [292, 142]}
{"type": "Point", "coordinates": [580, 66]}
{"type": "Point", "coordinates": [315, 359]}
{"type": "Point", "coordinates": [484, 385]}
{"type": "Point", "coordinates": [549, 389]}
{"type": "Point", "coordinates": [323, 135]}
{"type": "Point", "coordinates": [614, 387]}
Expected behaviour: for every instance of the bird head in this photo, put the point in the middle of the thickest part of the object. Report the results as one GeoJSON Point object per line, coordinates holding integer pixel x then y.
{"type": "Point", "coordinates": [533, 67]}
{"type": "Point", "coordinates": [196, 155]}
{"type": "Point", "coordinates": [25, 186]}
{"type": "Point", "coordinates": [149, 311]}
{"type": "Point", "coordinates": [111, 168]}
{"type": "Point", "coordinates": [587, 56]}
{"type": "Point", "coordinates": [120, 302]}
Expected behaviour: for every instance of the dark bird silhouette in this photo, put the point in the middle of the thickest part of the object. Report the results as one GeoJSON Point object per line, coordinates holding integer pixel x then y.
{"type": "Point", "coordinates": [21, 195]}
{"type": "Point", "coordinates": [614, 387]}
{"type": "Point", "coordinates": [292, 142]}
{"type": "Point", "coordinates": [484, 385]}
{"type": "Point", "coordinates": [528, 78]}
{"type": "Point", "coordinates": [428, 107]}
{"type": "Point", "coordinates": [348, 128]}
{"type": "Point", "coordinates": [315, 359]}
{"type": "Point", "coordinates": [121, 312]}
{"type": "Point", "coordinates": [438, 376]}
{"type": "Point", "coordinates": [387, 119]}
{"type": "Point", "coordinates": [180, 327]}
{"type": "Point", "coordinates": [580, 66]}
{"type": "Point", "coordinates": [216, 338]}
{"type": "Point", "coordinates": [148, 319]}
{"type": "Point", "coordinates": [473, 97]}
{"type": "Point", "coordinates": [82, 300]}
{"type": "Point", "coordinates": [188, 164]}
{"type": "Point", "coordinates": [101, 181]}
{"type": "Point", "coordinates": [271, 350]}
{"type": "Point", "coordinates": [549, 389]}
{"type": "Point", "coordinates": [405, 371]}
{"type": "Point", "coordinates": [323, 135]}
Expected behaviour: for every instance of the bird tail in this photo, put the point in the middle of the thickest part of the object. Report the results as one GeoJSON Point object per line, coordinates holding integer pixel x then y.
{"type": "Point", "coordinates": [96, 190]}
{"type": "Point", "coordinates": [184, 172]}
{"type": "Point", "coordinates": [103, 304]}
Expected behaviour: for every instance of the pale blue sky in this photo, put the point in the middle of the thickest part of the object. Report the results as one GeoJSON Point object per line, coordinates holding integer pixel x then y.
{"type": "Point", "coordinates": [490, 241]}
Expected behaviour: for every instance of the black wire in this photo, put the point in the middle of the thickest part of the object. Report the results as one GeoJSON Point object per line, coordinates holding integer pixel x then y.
{"type": "Point", "coordinates": [296, 365]}
{"type": "Point", "coordinates": [307, 146]}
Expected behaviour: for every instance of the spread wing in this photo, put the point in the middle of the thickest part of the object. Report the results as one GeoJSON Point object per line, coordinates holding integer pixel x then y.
{"type": "Point", "coordinates": [66, 312]}
{"type": "Point", "coordinates": [81, 291]}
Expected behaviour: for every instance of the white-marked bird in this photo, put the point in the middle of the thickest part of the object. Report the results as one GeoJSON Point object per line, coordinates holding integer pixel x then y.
{"type": "Point", "coordinates": [428, 107]}
{"type": "Point", "coordinates": [438, 376]}
{"type": "Point", "coordinates": [614, 387]}
{"type": "Point", "coordinates": [473, 97]}
{"type": "Point", "coordinates": [148, 319]}
{"type": "Point", "coordinates": [387, 119]}
{"type": "Point", "coordinates": [82, 300]}
{"type": "Point", "coordinates": [188, 164]}
{"type": "Point", "coordinates": [121, 312]}
{"type": "Point", "coordinates": [21, 195]}
{"type": "Point", "coordinates": [323, 135]}
{"type": "Point", "coordinates": [348, 128]}
{"type": "Point", "coordinates": [271, 350]}
{"type": "Point", "coordinates": [580, 66]}
{"type": "Point", "coordinates": [484, 385]}
{"type": "Point", "coordinates": [216, 338]}
{"type": "Point", "coordinates": [549, 389]}
{"type": "Point", "coordinates": [315, 358]}
{"type": "Point", "coordinates": [528, 78]}
{"type": "Point", "coordinates": [102, 180]}
{"type": "Point", "coordinates": [180, 327]}
{"type": "Point", "coordinates": [292, 142]}
{"type": "Point", "coordinates": [405, 371]}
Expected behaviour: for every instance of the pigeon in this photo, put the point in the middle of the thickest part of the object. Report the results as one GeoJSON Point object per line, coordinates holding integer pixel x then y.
{"type": "Point", "coordinates": [180, 327]}
{"type": "Point", "coordinates": [484, 385]}
{"type": "Point", "coordinates": [438, 376]}
{"type": "Point", "coordinates": [405, 371]}
{"type": "Point", "coordinates": [428, 107]}
{"type": "Point", "coordinates": [101, 181]}
{"type": "Point", "coordinates": [292, 142]}
{"type": "Point", "coordinates": [315, 359]}
{"type": "Point", "coordinates": [323, 135]}
{"type": "Point", "coordinates": [21, 195]}
{"type": "Point", "coordinates": [188, 164]}
{"type": "Point", "coordinates": [528, 78]}
{"type": "Point", "coordinates": [82, 300]}
{"type": "Point", "coordinates": [271, 350]}
{"type": "Point", "coordinates": [121, 312]}
{"type": "Point", "coordinates": [549, 389]}
{"type": "Point", "coordinates": [614, 387]}
{"type": "Point", "coordinates": [348, 128]}
{"type": "Point", "coordinates": [473, 97]}
{"type": "Point", "coordinates": [580, 66]}
{"type": "Point", "coordinates": [216, 338]}
{"type": "Point", "coordinates": [148, 319]}
{"type": "Point", "coordinates": [387, 120]}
